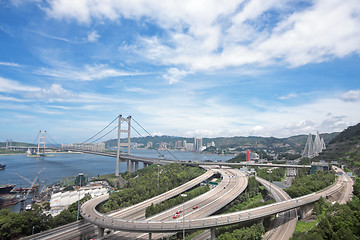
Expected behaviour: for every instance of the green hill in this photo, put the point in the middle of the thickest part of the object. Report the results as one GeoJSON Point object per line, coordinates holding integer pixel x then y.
{"type": "Point", "coordinates": [253, 143]}
{"type": "Point", "coordinates": [345, 148]}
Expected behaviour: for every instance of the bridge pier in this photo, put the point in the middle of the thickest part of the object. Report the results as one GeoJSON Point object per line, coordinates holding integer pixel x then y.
{"type": "Point", "coordinates": [100, 232]}
{"type": "Point", "coordinates": [129, 167]}
{"type": "Point", "coordinates": [212, 236]}
{"type": "Point", "coordinates": [306, 210]}
{"type": "Point", "coordinates": [136, 166]}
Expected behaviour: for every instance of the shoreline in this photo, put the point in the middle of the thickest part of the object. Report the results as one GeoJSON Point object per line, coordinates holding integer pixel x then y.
{"type": "Point", "coordinates": [9, 154]}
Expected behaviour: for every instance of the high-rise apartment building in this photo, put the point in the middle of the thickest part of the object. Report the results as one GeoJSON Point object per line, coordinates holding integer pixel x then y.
{"type": "Point", "coordinates": [197, 144]}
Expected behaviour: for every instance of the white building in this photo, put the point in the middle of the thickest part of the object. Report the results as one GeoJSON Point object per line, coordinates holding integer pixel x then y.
{"type": "Point", "coordinates": [189, 147]}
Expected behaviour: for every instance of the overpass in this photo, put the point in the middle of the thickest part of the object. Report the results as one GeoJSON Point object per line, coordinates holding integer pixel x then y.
{"type": "Point", "coordinates": [91, 215]}
{"type": "Point", "coordinates": [233, 184]}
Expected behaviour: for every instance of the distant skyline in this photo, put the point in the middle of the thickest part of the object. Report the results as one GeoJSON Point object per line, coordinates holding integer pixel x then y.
{"type": "Point", "coordinates": [190, 68]}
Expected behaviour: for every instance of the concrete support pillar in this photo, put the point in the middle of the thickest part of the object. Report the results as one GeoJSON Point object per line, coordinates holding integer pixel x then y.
{"type": "Point", "coordinates": [100, 232]}
{"type": "Point", "coordinates": [305, 210]}
{"type": "Point", "coordinates": [136, 166]}
{"type": "Point", "coordinates": [129, 166]}
{"type": "Point", "coordinates": [150, 235]}
{"type": "Point", "coordinates": [212, 237]}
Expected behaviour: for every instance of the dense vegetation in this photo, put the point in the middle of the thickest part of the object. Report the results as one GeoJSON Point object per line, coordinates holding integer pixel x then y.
{"type": "Point", "coordinates": [305, 184]}
{"type": "Point", "coordinates": [17, 225]}
{"type": "Point", "coordinates": [345, 148]}
{"type": "Point", "coordinates": [335, 221]}
{"type": "Point", "coordinates": [172, 202]}
{"type": "Point", "coordinates": [253, 232]}
{"type": "Point", "coordinates": [9, 151]}
{"type": "Point", "coordinates": [23, 144]}
{"type": "Point", "coordinates": [252, 190]}
{"type": "Point", "coordinates": [274, 175]}
{"type": "Point", "coordinates": [142, 184]}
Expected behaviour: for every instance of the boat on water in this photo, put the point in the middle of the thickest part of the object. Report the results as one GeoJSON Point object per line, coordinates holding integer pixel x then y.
{"type": "Point", "coordinates": [25, 189]}
{"type": "Point", "coordinates": [2, 166]}
{"type": "Point", "coordinates": [7, 199]}
{"type": "Point", "coordinates": [6, 188]}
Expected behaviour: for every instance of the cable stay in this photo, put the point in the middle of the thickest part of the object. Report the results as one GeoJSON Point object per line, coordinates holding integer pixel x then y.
{"type": "Point", "coordinates": [52, 141]}
{"type": "Point", "coordinates": [151, 136]}
{"type": "Point", "coordinates": [36, 138]}
{"type": "Point", "coordinates": [105, 134]}
{"type": "Point", "coordinates": [101, 130]}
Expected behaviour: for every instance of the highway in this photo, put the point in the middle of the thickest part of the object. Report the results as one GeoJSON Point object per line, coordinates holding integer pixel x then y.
{"type": "Point", "coordinates": [75, 229]}
{"type": "Point", "coordinates": [285, 222]}
{"type": "Point", "coordinates": [233, 183]}
{"type": "Point", "coordinates": [346, 193]}
{"type": "Point", "coordinates": [89, 212]}
{"type": "Point", "coordinates": [68, 231]}
{"type": "Point", "coordinates": [138, 210]}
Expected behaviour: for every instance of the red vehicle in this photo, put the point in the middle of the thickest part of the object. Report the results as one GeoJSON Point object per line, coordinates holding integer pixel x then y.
{"type": "Point", "coordinates": [195, 207]}
{"type": "Point", "coordinates": [178, 212]}
{"type": "Point", "coordinates": [176, 216]}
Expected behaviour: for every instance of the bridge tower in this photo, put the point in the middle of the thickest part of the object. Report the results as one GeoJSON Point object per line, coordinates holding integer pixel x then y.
{"type": "Point", "coordinates": [119, 144]}
{"type": "Point", "coordinates": [42, 142]}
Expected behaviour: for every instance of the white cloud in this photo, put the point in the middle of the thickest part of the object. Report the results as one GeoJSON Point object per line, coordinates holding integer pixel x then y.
{"type": "Point", "coordinates": [136, 89]}
{"type": "Point", "coordinates": [10, 64]}
{"type": "Point", "coordinates": [205, 35]}
{"type": "Point", "coordinates": [88, 73]}
{"type": "Point", "coordinates": [93, 36]}
{"type": "Point", "coordinates": [11, 99]}
{"type": "Point", "coordinates": [9, 86]}
{"type": "Point", "coordinates": [174, 75]}
{"type": "Point", "coordinates": [56, 91]}
{"type": "Point", "coordinates": [288, 96]}
{"type": "Point", "coordinates": [351, 96]}
{"type": "Point", "coordinates": [175, 114]}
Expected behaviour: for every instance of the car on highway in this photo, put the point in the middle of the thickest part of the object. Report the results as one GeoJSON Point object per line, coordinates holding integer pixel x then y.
{"type": "Point", "coordinates": [178, 212]}
{"type": "Point", "coordinates": [195, 207]}
{"type": "Point", "coordinates": [176, 216]}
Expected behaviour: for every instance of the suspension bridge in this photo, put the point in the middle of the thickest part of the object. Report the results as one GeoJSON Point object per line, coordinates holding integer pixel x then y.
{"type": "Point", "coordinates": [233, 182]}
{"type": "Point", "coordinates": [124, 126]}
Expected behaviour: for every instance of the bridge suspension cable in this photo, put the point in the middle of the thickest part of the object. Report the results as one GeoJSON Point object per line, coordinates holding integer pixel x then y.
{"type": "Point", "coordinates": [101, 131]}
{"type": "Point", "coordinates": [151, 136]}
{"type": "Point", "coordinates": [36, 138]}
{"type": "Point", "coordinates": [105, 134]}
{"type": "Point", "coordinates": [52, 141]}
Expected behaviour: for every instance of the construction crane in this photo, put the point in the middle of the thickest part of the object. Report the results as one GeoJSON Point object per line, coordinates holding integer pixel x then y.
{"type": "Point", "coordinates": [23, 199]}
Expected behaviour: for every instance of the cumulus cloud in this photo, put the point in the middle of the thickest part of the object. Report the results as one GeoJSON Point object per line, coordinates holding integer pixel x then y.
{"type": "Point", "coordinates": [174, 75]}
{"type": "Point", "coordinates": [205, 35]}
{"type": "Point", "coordinates": [93, 36]}
{"type": "Point", "coordinates": [56, 91]}
{"type": "Point", "coordinates": [351, 96]}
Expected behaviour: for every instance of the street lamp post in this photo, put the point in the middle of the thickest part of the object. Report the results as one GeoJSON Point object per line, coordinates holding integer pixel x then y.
{"type": "Point", "coordinates": [183, 196]}
{"type": "Point", "coordinates": [80, 176]}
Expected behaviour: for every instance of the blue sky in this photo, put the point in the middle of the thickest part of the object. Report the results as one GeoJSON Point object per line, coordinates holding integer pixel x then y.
{"type": "Point", "coordinates": [194, 68]}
